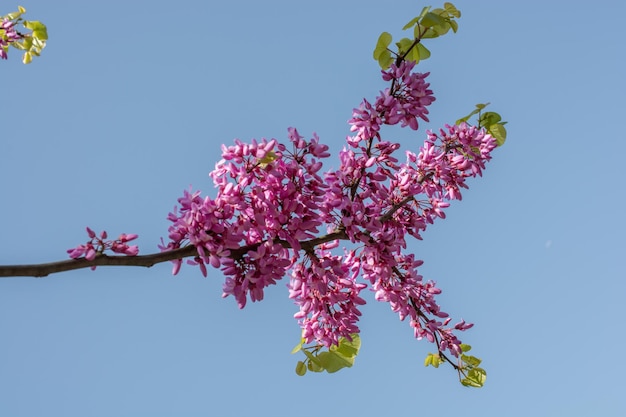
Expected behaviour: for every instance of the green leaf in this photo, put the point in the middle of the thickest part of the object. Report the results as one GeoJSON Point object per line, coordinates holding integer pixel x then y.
{"type": "Point", "coordinates": [298, 347]}
{"type": "Point", "coordinates": [385, 60]}
{"type": "Point", "coordinates": [409, 50]}
{"type": "Point", "coordinates": [429, 34]}
{"type": "Point", "coordinates": [267, 159]}
{"type": "Point", "coordinates": [381, 52]}
{"type": "Point", "coordinates": [311, 357]}
{"type": "Point", "coordinates": [432, 19]}
{"type": "Point", "coordinates": [28, 58]}
{"type": "Point", "coordinates": [300, 368]}
{"type": "Point", "coordinates": [403, 45]}
{"type": "Point", "coordinates": [347, 348]}
{"type": "Point", "coordinates": [411, 23]}
{"type": "Point", "coordinates": [498, 131]}
{"type": "Point", "coordinates": [428, 360]}
{"type": "Point", "coordinates": [477, 110]}
{"type": "Point", "coordinates": [314, 367]}
{"type": "Point", "coordinates": [25, 45]}
{"type": "Point", "coordinates": [433, 359]}
{"type": "Point", "coordinates": [381, 45]}
{"type": "Point", "coordinates": [15, 15]}
{"type": "Point", "coordinates": [39, 29]}
{"type": "Point", "coordinates": [475, 378]}
{"type": "Point", "coordinates": [423, 52]}
{"type": "Point", "coordinates": [465, 348]}
{"type": "Point", "coordinates": [489, 118]}
{"type": "Point", "coordinates": [451, 9]}
{"type": "Point", "coordinates": [454, 25]}
{"type": "Point", "coordinates": [471, 360]}
{"type": "Point", "coordinates": [333, 362]}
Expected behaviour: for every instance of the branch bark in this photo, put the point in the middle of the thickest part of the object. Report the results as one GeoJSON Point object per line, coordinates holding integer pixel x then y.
{"type": "Point", "coordinates": [45, 269]}
{"type": "Point", "coordinates": [42, 270]}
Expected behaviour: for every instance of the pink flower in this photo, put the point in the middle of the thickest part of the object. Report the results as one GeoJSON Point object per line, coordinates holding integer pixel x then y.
{"type": "Point", "coordinates": [97, 245]}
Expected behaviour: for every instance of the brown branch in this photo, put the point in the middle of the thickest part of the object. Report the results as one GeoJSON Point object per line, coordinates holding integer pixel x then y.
{"type": "Point", "coordinates": [42, 270]}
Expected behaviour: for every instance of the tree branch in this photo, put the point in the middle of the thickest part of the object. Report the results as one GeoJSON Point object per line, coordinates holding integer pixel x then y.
{"type": "Point", "coordinates": [43, 270]}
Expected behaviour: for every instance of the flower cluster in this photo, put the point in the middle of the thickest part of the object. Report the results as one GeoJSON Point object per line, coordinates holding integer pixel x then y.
{"type": "Point", "coordinates": [267, 202]}
{"type": "Point", "coordinates": [98, 244]}
{"type": "Point", "coordinates": [8, 35]}
{"type": "Point", "coordinates": [404, 102]}
{"type": "Point", "coordinates": [275, 215]}
{"type": "Point", "coordinates": [325, 288]}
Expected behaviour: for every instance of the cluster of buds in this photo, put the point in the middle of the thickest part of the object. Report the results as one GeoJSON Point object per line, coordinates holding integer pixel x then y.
{"type": "Point", "coordinates": [97, 244]}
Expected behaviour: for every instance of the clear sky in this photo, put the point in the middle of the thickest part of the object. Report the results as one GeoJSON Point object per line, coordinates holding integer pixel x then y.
{"type": "Point", "coordinates": [128, 106]}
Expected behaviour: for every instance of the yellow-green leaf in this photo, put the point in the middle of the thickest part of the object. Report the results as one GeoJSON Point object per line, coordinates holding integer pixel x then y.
{"type": "Point", "coordinates": [300, 368]}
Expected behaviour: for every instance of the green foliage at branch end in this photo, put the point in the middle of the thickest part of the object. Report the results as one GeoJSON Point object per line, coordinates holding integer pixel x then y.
{"type": "Point", "coordinates": [491, 121]}
{"type": "Point", "coordinates": [429, 24]}
{"type": "Point", "coordinates": [468, 367]}
{"type": "Point", "coordinates": [320, 359]}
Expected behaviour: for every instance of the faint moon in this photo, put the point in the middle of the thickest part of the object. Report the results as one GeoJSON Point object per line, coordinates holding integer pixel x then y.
{"type": "Point", "coordinates": [548, 244]}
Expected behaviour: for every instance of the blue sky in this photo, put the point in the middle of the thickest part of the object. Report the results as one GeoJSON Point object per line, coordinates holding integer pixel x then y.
{"type": "Point", "coordinates": [128, 106]}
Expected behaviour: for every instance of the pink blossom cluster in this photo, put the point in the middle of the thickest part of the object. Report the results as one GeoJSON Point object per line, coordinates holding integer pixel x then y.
{"type": "Point", "coordinates": [404, 102]}
{"type": "Point", "coordinates": [97, 244]}
{"type": "Point", "coordinates": [267, 202]}
{"type": "Point", "coordinates": [326, 289]}
{"type": "Point", "coordinates": [275, 214]}
{"type": "Point", "coordinates": [8, 35]}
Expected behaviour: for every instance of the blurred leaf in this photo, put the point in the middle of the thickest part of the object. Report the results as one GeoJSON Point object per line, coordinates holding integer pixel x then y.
{"type": "Point", "coordinates": [381, 45]}
{"type": "Point", "coordinates": [300, 368]}
{"type": "Point", "coordinates": [451, 9]}
{"type": "Point", "coordinates": [39, 29]}
{"type": "Point", "coordinates": [433, 359]}
{"type": "Point", "coordinates": [15, 15]}
{"type": "Point", "coordinates": [489, 118]}
{"type": "Point", "coordinates": [432, 19]}
{"type": "Point", "coordinates": [298, 347]}
{"type": "Point", "coordinates": [475, 378]}
{"type": "Point", "coordinates": [25, 45]}
{"type": "Point", "coordinates": [413, 21]}
{"type": "Point", "coordinates": [465, 348]}
{"type": "Point", "coordinates": [28, 58]}
{"type": "Point", "coordinates": [403, 45]}
{"type": "Point", "coordinates": [498, 131]}
{"type": "Point", "coordinates": [428, 360]}
{"type": "Point", "coordinates": [471, 360]}
{"type": "Point", "coordinates": [385, 60]}
{"type": "Point", "coordinates": [477, 110]}
{"type": "Point", "coordinates": [423, 52]}
{"type": "Point", "coordinates": [269, 157]}
{"type": "Point", "coordinates": [333, 362]}
{"type": "Point", "coordinates": [311, 357]}
{"type": "Point", "coordinates": [454, 25]}
{"type": "Point", "coordinates": [347, 348]}
{"type": "Point", "coordinates": [315, 367]}
{"type": "Point", "coordinates": [381, 52]}
{"type": "Point", "coordinates": [430, 34]}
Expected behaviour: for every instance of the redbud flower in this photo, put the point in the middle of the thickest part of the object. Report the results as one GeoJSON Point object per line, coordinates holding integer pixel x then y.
{"type": "Point", "coordinates": [97, 245]}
